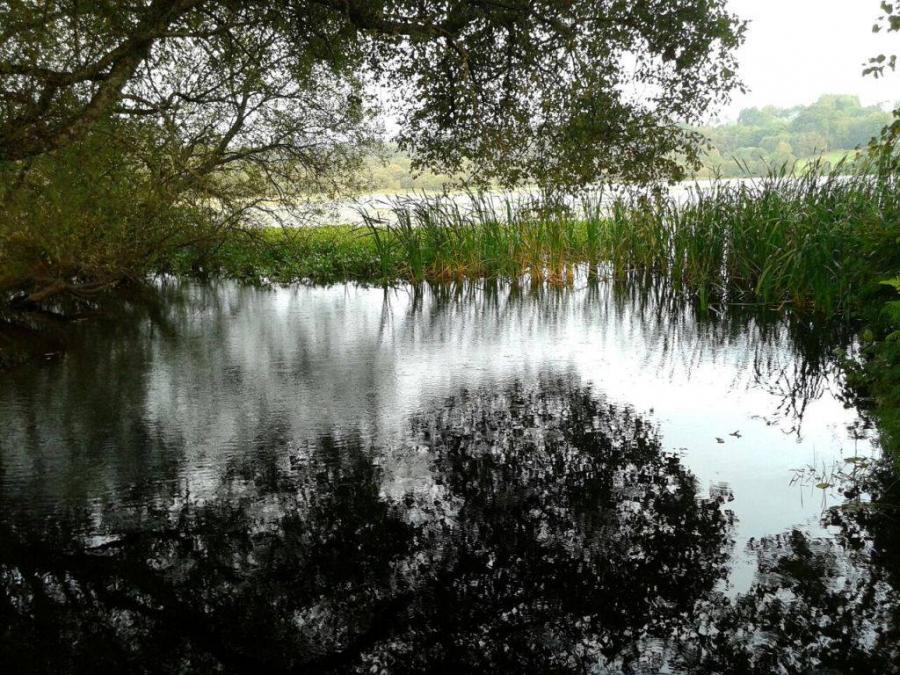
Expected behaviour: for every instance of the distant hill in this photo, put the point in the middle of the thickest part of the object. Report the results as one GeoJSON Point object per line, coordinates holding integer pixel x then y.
{"type": "Point", "coordinates": [832, 127]}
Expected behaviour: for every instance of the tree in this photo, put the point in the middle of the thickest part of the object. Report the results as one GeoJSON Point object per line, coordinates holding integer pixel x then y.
{"type": "Point", "coordinates": [772, 136]}
{"type": "Point", "coordinates": [810, 143]}
{"type": "Point", "coordinates": [519, 90]}
{"type": "Point", "coordinates": [885, 145]}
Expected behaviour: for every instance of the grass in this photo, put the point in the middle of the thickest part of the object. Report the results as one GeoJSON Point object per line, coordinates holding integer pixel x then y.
{"type": "Point", "coordinates": [318, 254]}
{"type": "Point", "coordinates": [832, 157]}
{"type": "Point", "coordinates": [815, 241]}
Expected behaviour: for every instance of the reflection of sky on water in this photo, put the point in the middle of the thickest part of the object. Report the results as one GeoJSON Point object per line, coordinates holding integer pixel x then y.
{"type": "Point", "coordinates": [235, 363]}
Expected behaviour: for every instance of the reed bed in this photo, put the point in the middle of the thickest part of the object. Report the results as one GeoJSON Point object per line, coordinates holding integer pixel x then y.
{"type": "Point", "coordinates": [811, 240]}
{"type": "Point", "coordinates": [440, 239]}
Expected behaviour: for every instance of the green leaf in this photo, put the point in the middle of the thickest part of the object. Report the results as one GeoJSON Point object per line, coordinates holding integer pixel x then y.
{"type": "Point", "coordinates": [893, 283]}
{"type": "Point", "coordinates": [892, 311]}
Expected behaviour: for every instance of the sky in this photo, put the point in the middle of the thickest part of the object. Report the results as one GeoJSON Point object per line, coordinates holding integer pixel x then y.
{"type": "Point", "coordinates": [797, 50]}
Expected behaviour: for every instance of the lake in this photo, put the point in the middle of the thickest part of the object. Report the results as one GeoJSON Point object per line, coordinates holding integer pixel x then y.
{"type": "Point", "coordinates": [596, 478]}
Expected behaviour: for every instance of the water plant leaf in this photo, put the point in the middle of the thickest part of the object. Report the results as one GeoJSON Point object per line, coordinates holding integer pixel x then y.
{"type": "Point", "coordinates": [893, 283]}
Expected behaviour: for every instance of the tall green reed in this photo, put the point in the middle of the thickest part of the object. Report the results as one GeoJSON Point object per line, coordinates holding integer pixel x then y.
{"type": "Point", "coordinates": [810, 239]}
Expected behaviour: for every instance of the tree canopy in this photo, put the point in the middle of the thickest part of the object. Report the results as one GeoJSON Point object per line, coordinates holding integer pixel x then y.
{"type": "Point", "coordinates": [131, 128]}
{"type": "Point", "coordinates": [553, 91]}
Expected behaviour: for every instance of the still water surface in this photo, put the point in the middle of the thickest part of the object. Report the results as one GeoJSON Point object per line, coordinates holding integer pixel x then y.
{"type": "Point", "coordinates": [311, 479]}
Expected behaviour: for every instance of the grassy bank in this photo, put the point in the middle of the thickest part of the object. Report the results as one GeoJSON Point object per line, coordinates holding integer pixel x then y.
{"type": "Point", "coordinates": [325, 254]}
{"type": "Point", "coordinates": [817, 242]}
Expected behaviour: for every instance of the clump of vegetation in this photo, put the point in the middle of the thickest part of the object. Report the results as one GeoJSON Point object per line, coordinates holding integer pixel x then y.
{"type": "Point", "coordinates": [90, 215]}
{"type": "Point", "coordinates": [327, 254]}
{"type": "Point", "coordinates": [874, 378]}
{"type": "Point", "coordinates": [818, 241]}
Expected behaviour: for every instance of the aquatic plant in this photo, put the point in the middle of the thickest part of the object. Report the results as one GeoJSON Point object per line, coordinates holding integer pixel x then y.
{"type": "Point", "coordinates": [818, 240]}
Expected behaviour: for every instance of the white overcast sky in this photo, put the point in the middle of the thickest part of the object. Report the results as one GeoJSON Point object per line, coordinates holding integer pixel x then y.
{"type": "Point", "coordinates": [797, 50]}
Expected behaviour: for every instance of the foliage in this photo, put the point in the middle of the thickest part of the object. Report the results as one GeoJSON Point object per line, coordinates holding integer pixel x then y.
{"type": "Point", "coordinates": [875, 376]}
{"type": "Point", "coordinates": [885, 145]}
{"type": "Point", "coordinates": [90, 206]}
{"type": "Point", "coordinates": [92, 214]}
{"type": "Point", "coordinates": [816, 241]}
{"type": "Point", "coordinates": [391, 171]}
{"type": "Point", "coordinates": [770, 137]}
{"type": "Point", "coordinates": [518, 90]}
{"type": "Point", "coordinates": [890, 23]}
{"type": "Point", "coordinates": [831, 129]}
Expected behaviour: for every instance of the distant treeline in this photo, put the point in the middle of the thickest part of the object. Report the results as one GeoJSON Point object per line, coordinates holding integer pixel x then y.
{"type": "Point", "coordinates": [761, 139]}
{"type": "Point", "coordinates": [766, 137]}
{"type": "Point", "coordinates": [392, 172]}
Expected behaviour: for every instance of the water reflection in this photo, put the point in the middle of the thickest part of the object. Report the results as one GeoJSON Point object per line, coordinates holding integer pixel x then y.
{"type": "Point", "coordinates": [553, 533]}
{"type": "Point", "coordinates": [174, 399]}
{"type": "Point", "coordinates": [523, 478]}
{"type": "Point", "coordinates": [817, 605]}
{"type": "Point", "coordinates": [550, 533]}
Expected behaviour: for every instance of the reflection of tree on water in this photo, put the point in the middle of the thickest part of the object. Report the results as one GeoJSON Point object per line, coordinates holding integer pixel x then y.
{"type": "Point", "coordinates": [814, 609]}
{"type": "Point", "coordinates": [555, 533]}
{"type": "Point", "coordinates": [290, 570]}
{"type": "Point", "coordinates": [575, 534]}
{"type": "Point", "coordinates": [550, 533]}
{"type": "Point", "coordinates": [818, 606]}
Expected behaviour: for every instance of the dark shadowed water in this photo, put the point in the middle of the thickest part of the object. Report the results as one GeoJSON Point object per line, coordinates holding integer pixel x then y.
{"type": "Point", "coordinates": [443, 479]}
